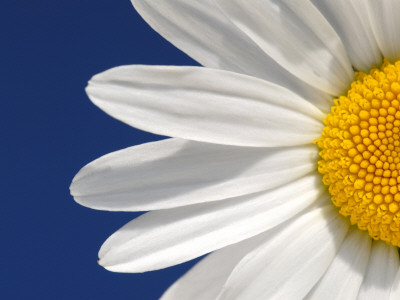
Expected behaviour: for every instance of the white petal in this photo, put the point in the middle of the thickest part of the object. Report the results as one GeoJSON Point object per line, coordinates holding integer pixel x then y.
{"type": "Point", "coordinates": [177, 172]}
{"type": "Point", "coordinates": [349, 22]}
{"type": "Point", "coordinates": [395, 290]}
{"type": "Point", "coordinates": [206, 105]}
{"type": "Point", "coordinates": [385, 22]}
{"type": "Point", "coordinates": [160, 239]}
{"type": "Point", "coordinates": [382, 268]}
{"type": "Point", "coordinates": [288, 265]}
{"type": "Point", "coordinates": [298, 37]}
{"type": "Point", "coordinates": [202, 31]}
{"type": "Point", "coordinates": [344, 276]}
{"type": "Point", "coordinates": [206, 279]}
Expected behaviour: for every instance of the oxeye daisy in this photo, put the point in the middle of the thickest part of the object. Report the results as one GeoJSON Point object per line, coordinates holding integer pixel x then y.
{"type": "Point", "coordinates": [284, 161]}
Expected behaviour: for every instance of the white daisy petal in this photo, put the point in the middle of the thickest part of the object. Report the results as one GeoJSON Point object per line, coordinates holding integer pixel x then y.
{"type": "Point", "coordinates": [177, 172]}
{"type": "Point", "coordinates": [206, 105]}
{"type": "Point", "coordinates": [206, 279]}
{"type": "Point", "coordinates": [288, 265]}
{"type": "Point", "coordinates": [298, 37]}
{"type": "Point", "coordinates": [395, 290]}
{"type": "Point", "coordinates": [385, 22]}
{"type": "Point", "coordinates": [349, 22]}
{"type": "Point", "coordinates": [164, 238]}
{"type": "Point", "coordinates": [382, 269]}
{"type": "Point", "coordinates": [344, 276]}
{"type": "Point", "coordinates": [202, 31]}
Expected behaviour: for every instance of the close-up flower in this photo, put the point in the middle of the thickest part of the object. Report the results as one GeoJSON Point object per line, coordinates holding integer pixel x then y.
{"type": "Point", "coordinates": [284, 158]}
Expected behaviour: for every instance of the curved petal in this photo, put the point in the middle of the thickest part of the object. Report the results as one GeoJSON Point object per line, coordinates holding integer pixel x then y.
{"type": "Point", "coordinates": [207, 278]}
{"type": "Point", "coordinates": [160, 239]}
{"type": "Point", "coordinates": [385, 23]}
{"type": "Point", "coordinates": [344, 276]}
{"type": "Point", "coordinates": [348, 21]}
{"type": "Point", "coordinates": [298, 37]}
{"type": "Point", "coordinates": [177, 172]}
{"type": "Point", "coordinates": [202, 31]}
{"type": "Point", "coordinates": [288, 265]}
{"type": "Point", "coordinates": [206, 105]}
{"type": "Point", "coordinates": [382, 268]}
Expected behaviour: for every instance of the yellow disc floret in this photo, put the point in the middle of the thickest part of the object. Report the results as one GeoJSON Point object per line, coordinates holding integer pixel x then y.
{"type": "Point", "coordinates": [360, 151]}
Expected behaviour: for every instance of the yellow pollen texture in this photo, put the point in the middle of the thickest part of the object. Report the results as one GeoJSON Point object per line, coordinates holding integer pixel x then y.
{"type": "Point", "coordinates": [360, 152]}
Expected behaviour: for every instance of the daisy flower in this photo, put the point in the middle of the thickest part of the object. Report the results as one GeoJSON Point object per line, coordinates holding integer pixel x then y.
{"type": "Point", "coordinates": [284, 161]}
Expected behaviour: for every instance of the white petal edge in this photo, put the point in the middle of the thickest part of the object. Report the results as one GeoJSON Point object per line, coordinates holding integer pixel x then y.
{"type": "Point", "coordinates": [385, 23]}
{"type": "Point", "coordinates": [288, 265]}
{"type": "Point", "coordinates": [206, 279]}
{"type": "Point", "coordinates": [202, 31]}
{"type": "Point", "coordinates": [348, 20]}
{"type": "Point", "coordinates": [175, 172]}
{"type": "Point", "coordinates": [345, 274]}
{"type": "Point", "coordinates": [160, 239]}
{"type": "Point", "coordinates": [298, 37]}
{"type": "Point", "coordinates": [206, 105]}
{"type": "Point", "coordinates": [382, 268]}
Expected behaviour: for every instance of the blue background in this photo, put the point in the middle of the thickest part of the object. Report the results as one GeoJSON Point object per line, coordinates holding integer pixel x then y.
{"type": "Point", "coordinates": [50, 129]}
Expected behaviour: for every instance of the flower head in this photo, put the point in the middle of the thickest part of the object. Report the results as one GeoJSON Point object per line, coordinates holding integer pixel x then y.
{"type": "Point", "coordinates": [284, 160]}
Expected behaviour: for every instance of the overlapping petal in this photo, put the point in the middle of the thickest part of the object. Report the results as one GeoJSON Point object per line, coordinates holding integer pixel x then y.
{"type": "Point", "coordinates": [385, 23]}
{"type": "Point", "coordinates": [349, 18]}
{"type": "Point", "coordinates": [382, 268]}
{"type": "Point", "coordinates": [288, 265]}
{"type": "Point", "coordinates": [207, 278]}
{"type": "Point", "coordinates": [298, 37]}
{"type": "Point", "coordinates": [201, 30]}
{"type": "Point", "coordinates": [177, 172]}
{"type": "Point", "coordinates": [206, 105]}
{"type": "Point", "coordinates": [160, 239]}
{"type": "Point", "coordinates": [344, 276]}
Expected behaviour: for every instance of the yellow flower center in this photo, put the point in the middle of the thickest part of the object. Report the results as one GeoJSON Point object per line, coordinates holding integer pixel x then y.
{"type": "Point", "coordinates": [360, 152]}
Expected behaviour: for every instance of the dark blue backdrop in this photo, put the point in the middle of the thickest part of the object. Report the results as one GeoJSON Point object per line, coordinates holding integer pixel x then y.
{"type": "Point", "coordinates": [49, 50]}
